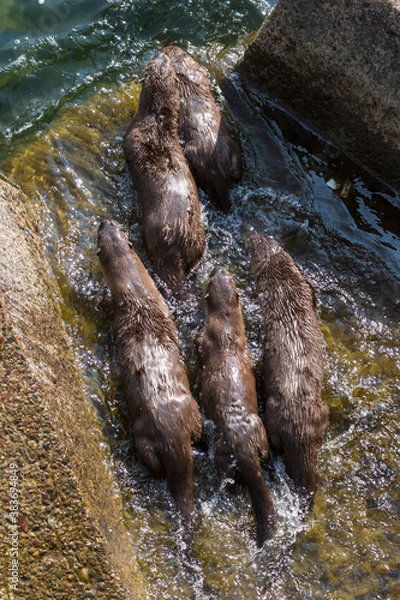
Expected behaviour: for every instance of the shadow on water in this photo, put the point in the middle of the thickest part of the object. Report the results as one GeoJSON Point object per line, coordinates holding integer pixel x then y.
{"type": "Point", "coordinates": [341, 226]}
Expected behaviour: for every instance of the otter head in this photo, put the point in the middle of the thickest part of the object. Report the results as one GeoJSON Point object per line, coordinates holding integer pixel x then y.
{"type": "Point", "coordinates": [116, 258]}
{"type": "Point", "coordinates": [192, 78]}
{"type": "Point", "coordinates": [159, 69]}
{"type": "Point", "coordinates": [222, 295]}
{"type": "Point", "coordinates": [223, 312]}
{"type": "Point", "coordinates": [159, 90]}
{"type": "Point", "coordinates": [262, 248]}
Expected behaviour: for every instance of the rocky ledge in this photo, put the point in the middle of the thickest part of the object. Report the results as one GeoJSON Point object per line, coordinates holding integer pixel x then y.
{"type": "Point", "coordinates": [336, 65]}
{"type": "Point", "coordinates": [62, 535]}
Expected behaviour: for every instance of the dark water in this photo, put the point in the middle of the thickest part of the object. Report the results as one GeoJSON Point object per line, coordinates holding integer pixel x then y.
{"type": "Point", "coordinates": [69, 83]}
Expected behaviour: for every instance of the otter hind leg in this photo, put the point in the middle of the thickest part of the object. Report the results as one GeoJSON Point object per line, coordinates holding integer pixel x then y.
{"type": "Point", "coordinates": [301, 468]}
{"type": "Point", "coordinates": [169, 266]}
{"type": "Point", "coordinates": [225, 462]}
{"type": "Point", "coordinates": [149, 457]}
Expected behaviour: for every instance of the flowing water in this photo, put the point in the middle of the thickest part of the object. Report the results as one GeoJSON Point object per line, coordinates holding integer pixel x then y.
{"type": "Point", "coordinates": [69, 83]}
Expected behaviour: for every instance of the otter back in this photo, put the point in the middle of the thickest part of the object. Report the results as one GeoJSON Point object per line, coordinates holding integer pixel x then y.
{"type": "Point", "coordinates": [214, 157]}
{"type": "Point", "coordinates": [172, 228]}
{"type": "Point", "coordinates": [295, 416]}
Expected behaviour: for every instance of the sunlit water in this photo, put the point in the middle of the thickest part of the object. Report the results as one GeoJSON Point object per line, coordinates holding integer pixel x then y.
{"type": "Point", "coordinates": [69, 84]}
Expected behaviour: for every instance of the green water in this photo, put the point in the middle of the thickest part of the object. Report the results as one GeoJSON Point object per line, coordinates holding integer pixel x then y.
{"type": "Point", "coordinates": [69, 83]}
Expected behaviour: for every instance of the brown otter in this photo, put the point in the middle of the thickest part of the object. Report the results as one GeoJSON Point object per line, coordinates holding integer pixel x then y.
{"type": "Point", "coordinates": [172, 228]}
{"type": "Point", "coordinates": [164, 418]}
{"type": "Point", "coordinates": [229, 398]}
{"type": "Point", "coordinates": [213, 156]}
{"type": "Point", "coordinates": [296, 418]}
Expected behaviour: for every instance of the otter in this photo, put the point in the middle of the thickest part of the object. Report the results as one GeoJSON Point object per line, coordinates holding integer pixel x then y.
{"type": "Point", "coordinates": [172, 226]}
{"type": "Point", "coordinates": [229, 397]}
{"type": "Point", "coordinates": [296, 418]}
{"type": "Point", "coordinates": [214, 157]}
{"type": "Point", "coordinates": [164, 418]}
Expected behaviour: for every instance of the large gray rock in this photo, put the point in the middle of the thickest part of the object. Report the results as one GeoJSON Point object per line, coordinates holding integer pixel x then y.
{"type": "Point", "coordinates": [336, 64]}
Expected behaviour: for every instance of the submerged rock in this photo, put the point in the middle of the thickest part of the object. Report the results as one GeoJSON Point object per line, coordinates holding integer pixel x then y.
{"type": "Point", "coordinates": [336, 65]}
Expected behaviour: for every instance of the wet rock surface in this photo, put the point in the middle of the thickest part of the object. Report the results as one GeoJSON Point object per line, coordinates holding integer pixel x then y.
{"type": "Point", "coordinates": [336, 65]}
{"type": "Point", "coordinates": [59, 520]}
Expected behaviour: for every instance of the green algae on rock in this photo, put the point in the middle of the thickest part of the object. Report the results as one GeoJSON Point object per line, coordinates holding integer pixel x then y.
{"type": "Point", "coordinates": [79, 136]}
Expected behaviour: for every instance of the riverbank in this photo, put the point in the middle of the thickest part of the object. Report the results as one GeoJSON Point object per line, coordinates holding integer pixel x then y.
{"type": "Point", "coordinates": [63, 535]}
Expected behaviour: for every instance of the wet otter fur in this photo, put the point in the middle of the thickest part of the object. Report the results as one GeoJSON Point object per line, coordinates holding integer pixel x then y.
{"type": "Point", "coordinates": [214, 157]}
{"type": "Point", "coordinates": [172, 227]}
{"type": "Point", "coordinates": [229, 397]}
{"type": "Point", "coordinates": [164, 418]}
{"type": "Point", "coordinates": [296, 418]}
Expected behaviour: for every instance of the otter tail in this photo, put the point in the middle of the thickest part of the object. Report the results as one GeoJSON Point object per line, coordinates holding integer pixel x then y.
{"type": "Point", "coordinates": [168, 264]}
{"type": "Point", "coordinates": [251, 475]}
{"type": "Point", "coordinates": [301, 468]}
{"type": "Point", "coordinates": [181, 487]}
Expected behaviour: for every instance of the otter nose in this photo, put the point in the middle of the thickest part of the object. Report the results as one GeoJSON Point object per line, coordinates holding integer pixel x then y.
{"type": "Point", "coordinates": [217, 272]}
{"type": "Point", "coordinates": [103, 224]}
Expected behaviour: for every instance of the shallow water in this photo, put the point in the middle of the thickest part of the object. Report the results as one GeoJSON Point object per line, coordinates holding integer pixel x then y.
{"type": "Point", "coordinates": [69, 83]}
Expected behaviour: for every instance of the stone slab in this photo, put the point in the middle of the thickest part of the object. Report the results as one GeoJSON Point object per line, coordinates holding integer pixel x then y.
{"type": "Point", "coordinates": [336, 65]}
{"type": "Point", "coordinates": [70, 539]}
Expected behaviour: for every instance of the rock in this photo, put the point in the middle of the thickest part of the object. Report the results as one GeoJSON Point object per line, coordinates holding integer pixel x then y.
{"type": "Point", "coordinates": [45, 397]}
{"type": "Point", "coordinates": [336, 64]}
{"type": "Point", "coordinates": [84, 575]}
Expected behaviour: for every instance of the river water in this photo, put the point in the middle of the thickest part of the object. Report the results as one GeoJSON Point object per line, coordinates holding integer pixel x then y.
{"type": "Point", "coordinates": [69, 83]}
